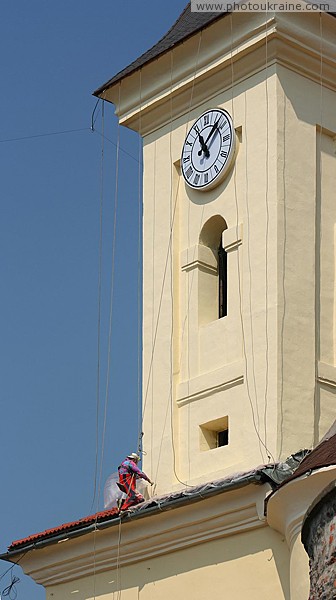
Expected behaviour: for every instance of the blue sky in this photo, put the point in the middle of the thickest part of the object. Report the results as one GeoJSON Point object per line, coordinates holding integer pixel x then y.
{"type": "Point", "coordinates": [53, 55]}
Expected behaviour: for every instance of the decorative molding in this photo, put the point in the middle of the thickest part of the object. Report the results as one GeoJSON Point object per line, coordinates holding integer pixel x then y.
{"type": "Point", "coordinates": [293, 41]}
{"type": "Point", "coordinates": [233, 237]}
{"type": "Point", "coordinates": [210, 383]}
{"type": "Point", "coordinates": [207, 520]}
{"type": "Point", "coordinates": [326, 374]}
{"type": "Point", "coordinates": [287, 506]}
{"type": "Point", "coordinates": [198, 257]}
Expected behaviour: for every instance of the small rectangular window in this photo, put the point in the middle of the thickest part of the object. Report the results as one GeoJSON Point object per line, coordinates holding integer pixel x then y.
{"type": "Point", "coordinates": [222, 438]}
{"type": "Point", "coordinates": [214, 434]}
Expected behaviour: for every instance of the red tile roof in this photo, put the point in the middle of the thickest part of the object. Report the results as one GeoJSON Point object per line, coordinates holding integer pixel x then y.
{"type": "Point", "coordinates": [91, 519]}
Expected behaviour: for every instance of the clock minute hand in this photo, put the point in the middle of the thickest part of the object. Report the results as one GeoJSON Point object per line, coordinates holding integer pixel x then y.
{"type": "Point", "coordinates": [213, 129]}
{"type": "Point", "coordinates": [204, 144]}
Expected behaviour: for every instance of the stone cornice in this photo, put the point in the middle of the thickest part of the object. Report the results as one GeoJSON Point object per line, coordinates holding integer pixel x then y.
{"type": "Point", "coordinates": [154, 535]}
{"type": "Point", "coordinates": [169, 83]}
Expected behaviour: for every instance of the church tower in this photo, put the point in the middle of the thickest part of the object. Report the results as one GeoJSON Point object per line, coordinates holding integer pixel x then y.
{"type": "Point", "coordinates": [239, 253]}
{"type": "Point", "coordinates": [237, 115]}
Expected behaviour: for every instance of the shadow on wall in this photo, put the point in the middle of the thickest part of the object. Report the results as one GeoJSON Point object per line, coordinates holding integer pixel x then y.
{"type": "Point", "coordinates": [246, 565]}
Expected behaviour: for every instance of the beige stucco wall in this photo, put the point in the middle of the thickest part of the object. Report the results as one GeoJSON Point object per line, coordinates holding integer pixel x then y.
{"type": "Point", "coordinates": [258, 365]}
{"type": "Point", "coordinates": [306, 259]}
{"type": "Point", "coordinates": [209, 359]}
{"type": "Point", "coordinates": [249, 565]}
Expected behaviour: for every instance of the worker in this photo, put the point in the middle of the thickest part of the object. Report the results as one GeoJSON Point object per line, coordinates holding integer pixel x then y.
{"type": "Point", "coordinates": [129, 472]}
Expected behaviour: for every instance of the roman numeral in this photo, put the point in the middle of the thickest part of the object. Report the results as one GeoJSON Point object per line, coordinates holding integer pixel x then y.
{"type": "Point", "coordinates": [222, 124]}
{"type": "Point", "coordinates": [226, 137]}
{"type": "Point", "coordinates": [206, 177]}
{"type": "Point", "coordinates": [206, 119]}
{"type": "Point", "coordinates": [189, 172]}
{"type": "Point", "coordinates": [216, 168]}
{"type": "Point", "coordinates": [196, 129]}
{"type": "Point", "coordinates": [224, 154]}
{"type": "Point", "coordinates": [186, 159]}
{"type": "Point", "coordinates": [196, 179]}
{"type": "Point", "coordinates": [189, 143]}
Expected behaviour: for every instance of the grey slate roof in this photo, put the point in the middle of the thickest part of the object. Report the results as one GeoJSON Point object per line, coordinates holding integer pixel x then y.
{"type": "Point", "coordinates": [186, 25]}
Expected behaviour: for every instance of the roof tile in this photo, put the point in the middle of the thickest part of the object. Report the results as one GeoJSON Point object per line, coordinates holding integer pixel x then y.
{"type": "Point", "coordinates": [98, 517]}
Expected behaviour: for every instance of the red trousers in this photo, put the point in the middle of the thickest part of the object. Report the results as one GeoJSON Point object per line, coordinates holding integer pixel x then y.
{"type": "Point", "coordinates": [127, 484]}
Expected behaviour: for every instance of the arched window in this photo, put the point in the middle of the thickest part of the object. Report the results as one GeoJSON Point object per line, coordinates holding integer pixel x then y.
{"type": "Point", "coordinates": [222, 281]}
{"type": "Point", "coordinates": [213, 281]}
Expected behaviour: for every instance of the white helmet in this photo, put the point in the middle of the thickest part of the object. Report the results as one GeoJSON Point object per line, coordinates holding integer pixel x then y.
{"type": "Point", "coordinates": [134, 456]}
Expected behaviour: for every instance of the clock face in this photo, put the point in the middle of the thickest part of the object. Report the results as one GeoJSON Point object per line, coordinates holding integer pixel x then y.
{"type": "Point", "coordinates": [208, 149]}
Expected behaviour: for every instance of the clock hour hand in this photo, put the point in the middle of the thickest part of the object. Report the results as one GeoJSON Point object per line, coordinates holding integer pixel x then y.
{"type": "Point", "coordinates": [204, 147]}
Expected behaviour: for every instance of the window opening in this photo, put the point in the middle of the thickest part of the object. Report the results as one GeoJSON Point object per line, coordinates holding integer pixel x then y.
{"type": "Point", "coordinates": [222, 282]}
{"type": "Point", "coordinates": [214, 434]}
{"type": "Point", "coordinates": [222, 438]}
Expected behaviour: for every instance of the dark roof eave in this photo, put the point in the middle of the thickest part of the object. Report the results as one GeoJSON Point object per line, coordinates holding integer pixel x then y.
{"type": "Point", "coordinates": [160, 48]}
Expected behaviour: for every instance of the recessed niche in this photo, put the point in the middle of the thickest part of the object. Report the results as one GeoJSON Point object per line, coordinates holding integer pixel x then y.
{"type": "Point", "coordinates": [214, 434]}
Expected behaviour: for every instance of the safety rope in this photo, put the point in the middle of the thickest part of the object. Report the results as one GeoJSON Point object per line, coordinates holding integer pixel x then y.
{"type": "Point", "coordinates": [254, 411]}
{"type": "Point", "coordinates": [173, 204]}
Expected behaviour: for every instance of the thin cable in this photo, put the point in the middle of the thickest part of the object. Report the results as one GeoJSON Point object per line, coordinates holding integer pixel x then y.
{"type": "Point", "coordinates": [40, 135]}
{"type": "Point", "coordinates": [96, 496]}
{"type": "Point", "coordinates": [108, 368]}
{"type": "Point", "coordinates": [266, 243]}
{"type": "Point", "coordinates": [121, 149]}
{"type": "Point", "coordinates": [248, 241]}
{"type": "Point", "coordinates": [140, 433]}
{"type": "Point", "coordinates": [187, 324]}
{"type": "Point", "coordinates": [315, 435]}
{"type": "Point", "coordinates": [239, 272]}
{"type": "Point", "coordinates": [171, 340]}
{"type": "Point", "coordinates": [11, 590]}
{"type": "Point", "coordinates": [93, 119]}
{"type": "Point", "coordinates": [172, 227]}
{"type": "Point", "coordinates": [280, 428]}
{"type": "Point", "coordinates": [167, 255]}
{"type": "Point", "coordinates": [170, 395]}
{"type": "Point", "coordinates": [118, 582]}
{"type": "Point", "coordinates": [108, 355]}
{"type": "Point", "coordinates": [153, 304]}
{"type": "Point", "coordinates": [14, 564]}
{"type": "Point", "coordinates": [99, 296]}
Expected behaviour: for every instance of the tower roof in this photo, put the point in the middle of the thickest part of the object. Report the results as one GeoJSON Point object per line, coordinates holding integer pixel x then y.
{"type": "Point", "coordinates": [186, 25]}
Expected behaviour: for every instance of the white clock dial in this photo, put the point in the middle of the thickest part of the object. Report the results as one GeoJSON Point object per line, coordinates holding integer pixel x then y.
{"type": "Point", "coordinates": [208, 149]}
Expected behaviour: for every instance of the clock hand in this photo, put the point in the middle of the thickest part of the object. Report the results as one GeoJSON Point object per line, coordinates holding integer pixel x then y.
{"type": "Point", "coordinates": [213, 128]}
{"type": "Point", "coordinates": [203, 146]}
